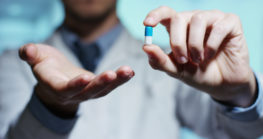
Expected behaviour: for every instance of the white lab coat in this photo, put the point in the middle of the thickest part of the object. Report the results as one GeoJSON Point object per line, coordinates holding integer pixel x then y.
{"type": "Point", "coordinates": [150, 106]}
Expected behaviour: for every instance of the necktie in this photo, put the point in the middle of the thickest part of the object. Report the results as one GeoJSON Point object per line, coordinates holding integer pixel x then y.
{"type": "Point", "coordinates": [88, 55]}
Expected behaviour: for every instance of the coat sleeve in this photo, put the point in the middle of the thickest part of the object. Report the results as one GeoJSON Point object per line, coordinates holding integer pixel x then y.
{"type": "Point", "coordinates": [20, 116]}
{"type": "Point", "coordinates": [199, 112]}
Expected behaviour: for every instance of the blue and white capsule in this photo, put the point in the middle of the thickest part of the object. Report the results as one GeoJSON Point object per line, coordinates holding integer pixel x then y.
{"type": "Point", "coordinates": [148, 35]}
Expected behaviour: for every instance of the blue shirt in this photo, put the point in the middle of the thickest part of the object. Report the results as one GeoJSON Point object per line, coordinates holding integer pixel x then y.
{"type": "Point", "coordinates": [104, 43]}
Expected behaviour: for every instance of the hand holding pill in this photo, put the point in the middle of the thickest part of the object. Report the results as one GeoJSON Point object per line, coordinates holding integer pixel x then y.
{"type": "Point", "coordinates": [208, 52]}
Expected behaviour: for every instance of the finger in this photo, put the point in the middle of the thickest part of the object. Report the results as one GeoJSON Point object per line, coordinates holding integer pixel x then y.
{"type": "Point", "coordinates": [229, 26]}
{"type": "Point", "coordinates": [96, 85]}
{"type": "Point", "coordinates": [29, 53]}
{"type": "Point", "coordinates": [77, 84]}
{"type": "Point", "coordinates": [178, 31]}
{"type": "Point", "coordinates": [159, 60]}
{"type": "Point", "coordinates": [124, 74]}
{"type": "Point", "coordinates": [198, 27]}
{"type": "Point", "coordinates": [160, 14]}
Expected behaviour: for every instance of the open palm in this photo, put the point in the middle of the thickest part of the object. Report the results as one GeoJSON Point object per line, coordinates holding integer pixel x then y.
{"type": "Point", "coordinates": [62, 85]}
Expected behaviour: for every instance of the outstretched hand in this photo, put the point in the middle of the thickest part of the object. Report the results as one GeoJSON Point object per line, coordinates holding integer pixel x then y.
{"type": "Point", "coordinates": [209, 52]}
{"type": "Point", "coordinates": [61, 85]}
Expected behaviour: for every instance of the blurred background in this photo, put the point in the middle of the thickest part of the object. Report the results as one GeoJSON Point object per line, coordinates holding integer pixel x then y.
{"type": "Point", "coordinates": [23, 21]}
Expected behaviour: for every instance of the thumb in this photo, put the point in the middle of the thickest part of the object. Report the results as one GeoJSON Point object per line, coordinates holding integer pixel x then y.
{"type": "Point", "coordinates": [160, 60]}
{"type": "Point", "coordinates": [30, 54]}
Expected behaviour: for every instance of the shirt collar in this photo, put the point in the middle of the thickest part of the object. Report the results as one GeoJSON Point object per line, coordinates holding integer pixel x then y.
{"type": "Point", "coordinates": [104, 42]}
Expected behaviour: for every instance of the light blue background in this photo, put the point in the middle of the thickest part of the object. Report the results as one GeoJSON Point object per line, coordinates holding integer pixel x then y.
{"type": "Point", "coordinates": [23, 21]}
{"type": "Point", "coordinates": [133, 12]}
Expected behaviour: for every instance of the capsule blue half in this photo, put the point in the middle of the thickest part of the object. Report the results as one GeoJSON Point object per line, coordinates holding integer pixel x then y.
{"type": "Point", "coordinates": [148, 31]}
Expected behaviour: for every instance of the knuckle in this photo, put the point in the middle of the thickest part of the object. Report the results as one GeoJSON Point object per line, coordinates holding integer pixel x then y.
{"type": "Point", "coordinates": [235, 21]}
{"type": "Point", "coordinates": [196, 11]}
{"type": "Point", "coordinates": [219, 28]}
{"type": "Point", "coordinates": [153, 14]}
{"type": "Point", "coordinates": [107, 72]}
{"type": "Point", "coordinates": [167, 9]}
{"type": "Point", "coordinates": [176, 44]}
{"type": "Point", "coordinates": [164, 7]}
{"type": "Point", "coordinates": [217, 11]}
{"type": "Point", "coordinates": [193, 44]}
{"type": "Point", "coordinates": [178, 17]}
{"type": "Point", "coordinates": [197, 17]}
{"type": "Point", "coordinates": [234, 17]}
{"type": "Point", "coordinates": [173, 43]}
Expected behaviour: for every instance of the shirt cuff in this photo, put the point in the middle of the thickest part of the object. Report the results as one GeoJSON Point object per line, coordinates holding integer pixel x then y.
{"type": "Point", "coordinates": [250, 113]}
{"type": "Point", "coordinates": [48, 119]}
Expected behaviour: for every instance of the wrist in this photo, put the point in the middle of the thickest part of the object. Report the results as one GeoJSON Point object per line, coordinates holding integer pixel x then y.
{"type": "Point", "coordinates": [54, 105]}
{"type": "Point", "coordinates": [243, 95]}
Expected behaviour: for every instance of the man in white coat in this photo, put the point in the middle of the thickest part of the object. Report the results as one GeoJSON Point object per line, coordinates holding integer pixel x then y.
{"type": "Point", "coordinates": [210, 88]}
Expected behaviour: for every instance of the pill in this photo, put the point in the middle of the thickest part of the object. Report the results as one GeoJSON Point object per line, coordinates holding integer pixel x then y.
{"type": "Point", "coordinates": [148, 35]}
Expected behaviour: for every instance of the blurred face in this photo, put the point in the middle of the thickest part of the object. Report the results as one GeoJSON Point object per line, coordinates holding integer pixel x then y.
{"type": "Point", "coordinates": [89, 10]}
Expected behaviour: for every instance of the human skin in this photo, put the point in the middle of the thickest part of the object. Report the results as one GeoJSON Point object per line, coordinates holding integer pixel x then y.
{"type": "Point", "coordinates": [209, 52]}
{"type": "Point", "coordinates": [90, 18]}
{"type": "Point", "coordinates": [62, 86]}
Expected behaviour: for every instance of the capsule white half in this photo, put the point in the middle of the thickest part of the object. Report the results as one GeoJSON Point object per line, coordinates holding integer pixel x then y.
{"type": "Point", "coordinates": [148, 40]}
{"type": "Point", "coordinates": [148, 35]}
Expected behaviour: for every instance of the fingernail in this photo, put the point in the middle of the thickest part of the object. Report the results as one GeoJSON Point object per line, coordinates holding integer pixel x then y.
{"type": "Point", "coordinates": [24, 51]}
{"type": "Point", "coordinates": [149, 20]}
{"type": "Point", "coordinates": [132, 74]}
{"type": "Point", "coordinates": [183, 60]}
